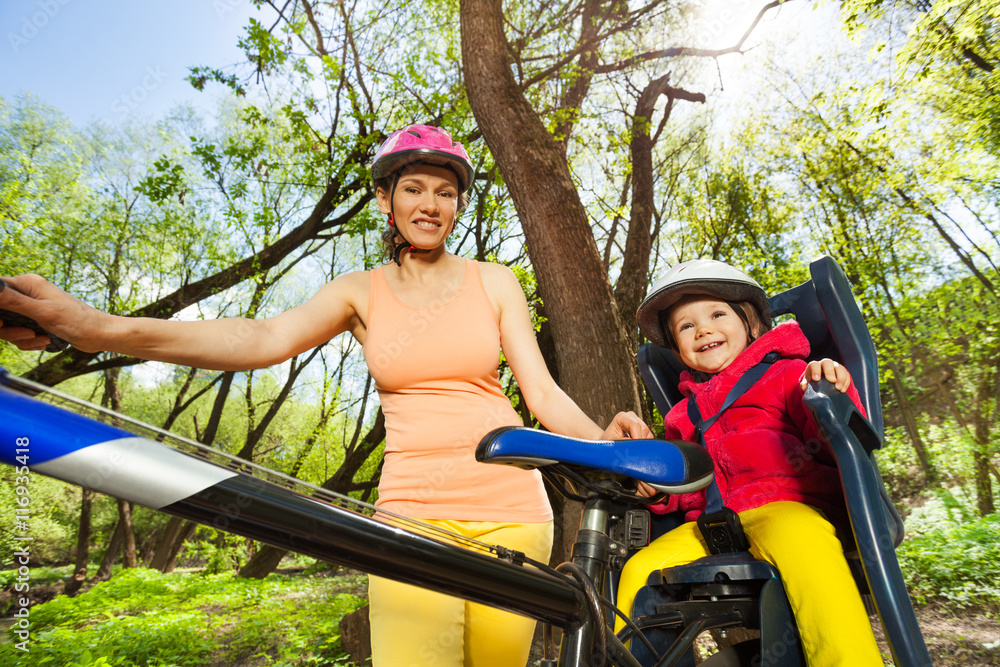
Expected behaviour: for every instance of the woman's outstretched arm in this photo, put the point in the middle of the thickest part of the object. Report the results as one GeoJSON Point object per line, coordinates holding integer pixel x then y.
{"type": "Point", "coordinates": [222, 344]}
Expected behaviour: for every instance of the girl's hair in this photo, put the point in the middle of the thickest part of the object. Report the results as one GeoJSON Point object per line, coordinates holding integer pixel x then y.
{"type": "Point", "coordinates": [388, 235]}
{"type": "Point", "coordinates": [745, 310]}
{"type": "Point", "coordinates": [751, 319]}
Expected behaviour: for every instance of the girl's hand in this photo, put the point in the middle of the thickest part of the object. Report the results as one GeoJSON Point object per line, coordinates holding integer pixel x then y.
{"type": "Point", "coordinates": [626, 425]}
{"type": "Point", "coordinates": [829, 369]}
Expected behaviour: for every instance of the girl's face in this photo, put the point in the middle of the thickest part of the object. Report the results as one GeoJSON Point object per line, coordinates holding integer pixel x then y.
{"type": "Point", "coordinates": [709, 334]}
{"type": "Point", "coordinates": [425, 204]}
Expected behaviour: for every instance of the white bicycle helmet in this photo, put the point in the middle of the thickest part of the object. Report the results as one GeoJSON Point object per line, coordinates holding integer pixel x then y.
{"type": "Point", "coordinates": [698, 276]}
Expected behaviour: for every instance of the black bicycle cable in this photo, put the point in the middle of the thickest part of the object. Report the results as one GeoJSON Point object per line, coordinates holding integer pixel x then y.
{"type": "Point", "coordinates": [629, 623]}
{"type": "Point", "coordinates": [593, 603]}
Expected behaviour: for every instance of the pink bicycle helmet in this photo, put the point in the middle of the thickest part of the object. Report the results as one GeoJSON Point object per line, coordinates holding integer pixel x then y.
{"type": "Point", "coordinates": [423, 143]}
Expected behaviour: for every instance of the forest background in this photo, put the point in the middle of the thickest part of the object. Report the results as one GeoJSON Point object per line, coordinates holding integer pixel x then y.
{"type": "Point", "coordinates": [612, 139]}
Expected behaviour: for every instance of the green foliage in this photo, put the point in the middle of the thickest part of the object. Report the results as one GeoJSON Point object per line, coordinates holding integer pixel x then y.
{"type": "Point", "coordinates": [41, 165]}
{"type": "Point", "coordinates": [263, 48]}
{"type": "Point", "coordinates": [142, 617]}
{"type": "Point", "coordinates": [200, 76]}
{"type": "Point", "coordinates": [166, 182]}
{"type": "Point", "coordinates": [952, 554]}
{"type": "Point", "coordinates": [52, 511]}
{"type": "Point", "coordinates": [220, 552]}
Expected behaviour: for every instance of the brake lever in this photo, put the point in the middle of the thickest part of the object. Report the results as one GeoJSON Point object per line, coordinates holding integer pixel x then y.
{"type": "Point", "coordinates": [12, 319]}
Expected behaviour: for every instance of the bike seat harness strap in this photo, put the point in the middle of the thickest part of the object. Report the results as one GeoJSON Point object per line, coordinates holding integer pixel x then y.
{"type": "Point", "coordinates": [719, 525]}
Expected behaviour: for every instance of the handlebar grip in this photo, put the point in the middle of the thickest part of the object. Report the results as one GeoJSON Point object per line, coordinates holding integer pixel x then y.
{"type": "Point", "coordinates": [12, 319]}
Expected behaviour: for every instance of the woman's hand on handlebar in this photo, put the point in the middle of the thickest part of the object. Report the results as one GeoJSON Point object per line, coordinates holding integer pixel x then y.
{"type": "Point", "coordinates": [646, 491]}
{"type": "Point", "coordinates": [55, 311]}
{"type": "Point", "coordinates": [627, 425]}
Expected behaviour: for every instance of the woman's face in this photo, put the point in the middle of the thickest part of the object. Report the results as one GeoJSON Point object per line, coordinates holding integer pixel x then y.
{"type": "Point", "coordinates": [425, 204]}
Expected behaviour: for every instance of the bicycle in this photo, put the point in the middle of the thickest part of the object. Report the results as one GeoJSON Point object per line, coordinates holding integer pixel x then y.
{"type": "Point", "coordinates": [168, 473]}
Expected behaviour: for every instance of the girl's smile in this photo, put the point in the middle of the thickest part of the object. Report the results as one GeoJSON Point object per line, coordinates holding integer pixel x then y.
{"type": "Point", "coordinates": [709, 334]}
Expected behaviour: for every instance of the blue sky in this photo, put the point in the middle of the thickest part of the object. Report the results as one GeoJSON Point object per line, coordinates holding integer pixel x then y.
{"type": "Point", "coordinates": [116, 60]}
{"type": "Point", "coordinates": [113, 59]}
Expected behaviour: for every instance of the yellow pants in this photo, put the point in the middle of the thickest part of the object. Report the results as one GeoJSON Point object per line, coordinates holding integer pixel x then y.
{"type": "Point", "coordinates": [803, 546]}
{"type": "Point", "coordinates": [414, 627]}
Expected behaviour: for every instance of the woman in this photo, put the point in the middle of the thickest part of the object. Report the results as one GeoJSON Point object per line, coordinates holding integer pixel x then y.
{"type": "Point", "coordinates": [432, 326]}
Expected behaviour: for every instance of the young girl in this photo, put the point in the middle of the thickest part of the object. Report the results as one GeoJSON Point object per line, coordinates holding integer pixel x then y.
{"type": "Point", "coordinates": [769, 466]}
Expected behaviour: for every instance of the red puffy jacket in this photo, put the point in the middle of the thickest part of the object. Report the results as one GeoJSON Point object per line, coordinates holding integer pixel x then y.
{"type": "Point", "coordinates": [765, 446]}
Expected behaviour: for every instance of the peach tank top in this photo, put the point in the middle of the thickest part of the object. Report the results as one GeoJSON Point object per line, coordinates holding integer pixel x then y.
{"type": "Point", "coordinates": [435, 369]}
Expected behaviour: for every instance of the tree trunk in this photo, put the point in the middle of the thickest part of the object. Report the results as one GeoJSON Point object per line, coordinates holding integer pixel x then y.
{"type": "Point", "coordinates": [910, 423]}
{"type": "Point", "coordinates": [111, 553]}
{"type": "Point", "coordinates": [356, 636]}
{"type": "Point", "coordinates": [82, 545]}
{"type": "Point", "coordinates": [177, 530]}
{"type": "Point", "coordinates": [593, 355]}
{"type": "Point", "coordinates": [215, 418]}
{"type": "Point", "coordinates": [161, 556]}
{"type": "Point", "coordinates": [175, 533]}
{"type": "Point", "coordinates": [263, 563]}
{"type": "Point", "coordinates": [631, 287]}
{"type": "Point", "coordinates": [128, 534]}
{"type": "Point", "coordinates": [186, 531]}
{"type": "Point", "coordinates": [981, 449]}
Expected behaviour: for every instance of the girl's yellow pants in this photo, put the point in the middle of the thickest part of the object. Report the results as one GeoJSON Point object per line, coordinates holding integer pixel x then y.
{"type": "Point", "coordinates": [413, 627]}
{"type": "Point", "coordinates": [803, 546]}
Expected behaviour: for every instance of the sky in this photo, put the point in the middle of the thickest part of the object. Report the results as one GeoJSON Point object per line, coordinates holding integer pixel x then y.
{"type": "Point", "coordinates": [115, 59]}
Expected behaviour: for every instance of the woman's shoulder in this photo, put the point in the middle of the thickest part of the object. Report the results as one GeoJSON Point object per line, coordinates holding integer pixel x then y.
{"type": "Point", "coordinates": [497, 278]}
{"type": "Point", "coordinates": [353, 279]}
{"type": "Point", "coordinates": [494, 270]}
{"type": "Point", "coordinates": [353, 287]}
{"type": "Point", "coordinates": [502, 288]}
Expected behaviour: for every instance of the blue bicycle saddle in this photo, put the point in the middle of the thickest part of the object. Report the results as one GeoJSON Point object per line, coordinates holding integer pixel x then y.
{"type": "Point", "coordinates": [670, 466]}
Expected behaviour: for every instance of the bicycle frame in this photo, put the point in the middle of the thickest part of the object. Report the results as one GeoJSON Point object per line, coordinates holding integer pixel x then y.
{"type": "Point", "coordinates": [83, 451]}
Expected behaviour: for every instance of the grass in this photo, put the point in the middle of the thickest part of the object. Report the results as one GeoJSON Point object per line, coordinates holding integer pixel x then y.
{"type": "Point", "coordinates": [143, 617]}
{"type": "Point", "coordinates": [953, 560]}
